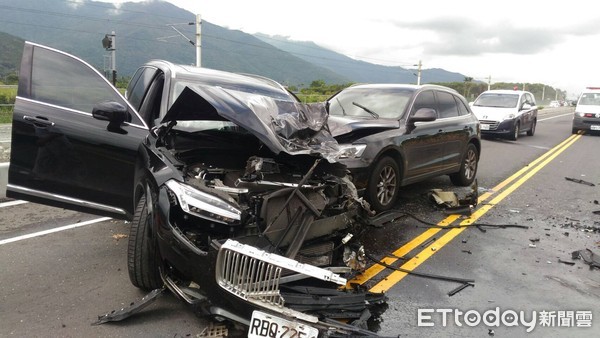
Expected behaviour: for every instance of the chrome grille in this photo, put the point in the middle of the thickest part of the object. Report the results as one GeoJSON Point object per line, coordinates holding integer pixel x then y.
{"type": "Point", "coordinates": [249, 277]}
{"type": "Point", "coordinates": [255, 275]}
{"type": "Point", "coordinates": [493, 124]}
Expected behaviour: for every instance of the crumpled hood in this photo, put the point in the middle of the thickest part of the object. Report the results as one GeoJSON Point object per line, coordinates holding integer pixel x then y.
{"type": "Point", "coordinates": [282, 124]}
{"type": "Point", "coordinates": [340, 125]}
{"type": "Point", "coordinates": [492, 113]}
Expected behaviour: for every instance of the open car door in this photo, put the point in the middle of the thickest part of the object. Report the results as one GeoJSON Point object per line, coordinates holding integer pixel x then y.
{"type": "Point", "coordinates": [75, 138]}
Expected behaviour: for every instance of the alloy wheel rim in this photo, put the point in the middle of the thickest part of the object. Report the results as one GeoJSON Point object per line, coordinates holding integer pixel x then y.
{"type": "Point", "coordinates": [386, 186]}
{"type": "Point", "coordinates": [470, 164]}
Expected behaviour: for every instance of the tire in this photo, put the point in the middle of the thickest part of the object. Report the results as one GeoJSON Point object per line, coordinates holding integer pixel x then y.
{"type": "Point", "coordinates": [574, 130]}
{"type": "Point", "coordinates": [514, 134]}
{"type": "Point", "coordinates": [142, 253]}
{"type": "Point", "coordinates": [531, 131]}
{"type": "Point", "coordinates": [384, 184]}
{"type": "Point", "coordinates": [468, 168]}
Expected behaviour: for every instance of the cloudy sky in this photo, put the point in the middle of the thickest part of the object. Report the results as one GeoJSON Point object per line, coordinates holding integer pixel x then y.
{"type": "Point", "coordinates": [551, 42]}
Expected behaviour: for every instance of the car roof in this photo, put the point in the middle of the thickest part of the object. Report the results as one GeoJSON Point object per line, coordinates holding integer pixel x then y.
{"type": "Point", "coordinates": [217, 77]}
{"type": "Point", "coordinates": [401, 85]}
{"type": "Point", "coordinates": [505, 91]}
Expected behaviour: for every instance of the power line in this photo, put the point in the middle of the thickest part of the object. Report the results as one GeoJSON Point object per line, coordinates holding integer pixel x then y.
{"type": "Point", "coordinates": [162, 28]}
{"type": "Point", "coordinates": [76, 16]}
{"type": "Point", "coordinates": [318, 48]}
{"type": "Point", "coordinates": [120, 9]}
{"type": "Point", "coordinates": [87, 32]}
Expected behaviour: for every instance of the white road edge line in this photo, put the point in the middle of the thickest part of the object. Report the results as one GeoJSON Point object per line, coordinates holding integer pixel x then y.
{"type": "Point", "coordinates": [553, 117]}
{"type": "Point", "coordinates": [49, 231]}
{"type": "Point", "coordinates": [12, 203]}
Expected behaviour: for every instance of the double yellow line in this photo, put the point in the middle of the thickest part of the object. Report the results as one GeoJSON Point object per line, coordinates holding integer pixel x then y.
{"type": "Point", "coordinates": [518, 178]}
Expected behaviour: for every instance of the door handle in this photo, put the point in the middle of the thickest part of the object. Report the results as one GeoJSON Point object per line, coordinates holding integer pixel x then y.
{"type": "Point", "coordinates": [39, 120]}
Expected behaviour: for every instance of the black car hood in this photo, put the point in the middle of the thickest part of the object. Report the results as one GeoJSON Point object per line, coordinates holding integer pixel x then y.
{"type": "Point", "coordinates": [282, 124]}
{"type": "Point", "coordinates": [340, 125]}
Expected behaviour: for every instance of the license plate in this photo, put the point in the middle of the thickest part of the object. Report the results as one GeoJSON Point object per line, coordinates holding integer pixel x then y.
{"type": "Point", "coordinates": [594, 127]}
{"type": "Point", "coordinates": [485, 126]}
{"type": "Point", "coordinates": [266, 325]}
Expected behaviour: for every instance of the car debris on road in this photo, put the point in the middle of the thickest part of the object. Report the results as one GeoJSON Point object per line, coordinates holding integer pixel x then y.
{"type": "Point", "coordinates": [580, 181]}
{"type": "Point", "coordinates": [588, 256]}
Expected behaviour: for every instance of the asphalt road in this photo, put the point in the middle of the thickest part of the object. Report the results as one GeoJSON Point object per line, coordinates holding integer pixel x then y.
{"type": "Point", "coordinates": [58, 283]}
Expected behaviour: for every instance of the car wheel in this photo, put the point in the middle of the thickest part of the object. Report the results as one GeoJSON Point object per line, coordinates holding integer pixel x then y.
{"type": "Point", "coordinates": [514, 135]}
{"type": "Point", "coordinates": [468, 168]}
{"type": "Point", "coordinates": [531, 131]}
{"type": "Point", "coordinates": [574, 131]}
{"type": "Point", "coordinates": [142, 253]}
{"type": "Point", "coordinates": [384, 184]}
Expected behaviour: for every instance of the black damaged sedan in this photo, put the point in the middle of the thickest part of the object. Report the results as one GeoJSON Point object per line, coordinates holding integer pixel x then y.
{"type": "Point", "coordinates": [238, 205]}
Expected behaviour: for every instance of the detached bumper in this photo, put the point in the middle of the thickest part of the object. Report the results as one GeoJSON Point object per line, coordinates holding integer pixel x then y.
{"type": "Point", "coordinates": [359, 171]}
{"type": "Point", "coordinates": [236, 279]}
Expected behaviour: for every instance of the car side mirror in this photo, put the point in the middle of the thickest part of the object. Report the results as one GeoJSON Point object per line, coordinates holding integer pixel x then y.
{"type": "Point", "coordinates": [113, 112]}
{"type": "Point", "coordinates": [423, 115]}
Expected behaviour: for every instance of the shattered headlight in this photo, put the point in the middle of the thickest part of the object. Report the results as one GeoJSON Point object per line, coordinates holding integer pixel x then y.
{"type": "Point", "coordinates": [204, 205]}
{"type": "Point", "coordinates": [352, 150]}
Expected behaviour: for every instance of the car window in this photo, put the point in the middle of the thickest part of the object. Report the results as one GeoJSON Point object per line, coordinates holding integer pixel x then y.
{"type": "Point", "coordinates": [497, 100]}
{"type": "Point", "coordinates": [462, 108]}
{"type": "Point", "coordinates": [447, 105]}
{"type": "Point", "coordinates": [139, 84]}
{"type": "Point", "coordinates": [592, 99]}
{"type": "Point", "coordinates": [424, 100]}
{"type": "Point", "coordinates": [522, 100]}
{"type": "Point", "coordinates": [531, 99]}
{"type": "Point", "coordinates": [69, 83]}
{"type": "Point", "coordinates": [150, 108]}
{"type": "Point", "coordinates": [385, 102]}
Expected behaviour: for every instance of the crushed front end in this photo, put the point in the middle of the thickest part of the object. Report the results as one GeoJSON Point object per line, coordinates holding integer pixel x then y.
{"type": "Point", "coordinates": [255, 221]}
{"type": "Point", "coordinates": [271, 241]}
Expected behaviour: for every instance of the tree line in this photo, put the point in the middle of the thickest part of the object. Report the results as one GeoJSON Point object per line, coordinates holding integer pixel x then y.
{"type": "Point", "coordinates": [318, 90]}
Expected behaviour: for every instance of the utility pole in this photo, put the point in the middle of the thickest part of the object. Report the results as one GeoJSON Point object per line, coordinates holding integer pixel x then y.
{"type": "Point", "coordinates": [543, 92]}
{"type": "Point", "coordinates": [114, 58]}
{"type": "Point", "coordinates": [198, 41]}
{"type": "Point", "coordinates": [489, 82]}
{"type": "Point", "coordinates": [109, 43]}
{"type": "Point", "coordinates": [419, 73]}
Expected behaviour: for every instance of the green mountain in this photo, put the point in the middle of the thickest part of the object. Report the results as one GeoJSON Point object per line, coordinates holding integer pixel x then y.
{"type": "Point", "coordinates": [144, 31]}
{"type": "Point", "coordinates": [10, 54]}
{"type": "Point", "coordinates": [358, 71]}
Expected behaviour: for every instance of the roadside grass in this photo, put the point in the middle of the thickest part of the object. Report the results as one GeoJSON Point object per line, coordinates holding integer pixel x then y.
{"type": "Point", "coordinates": [6, 114]}
{"type": "Point", "coordinates": [7, 99]}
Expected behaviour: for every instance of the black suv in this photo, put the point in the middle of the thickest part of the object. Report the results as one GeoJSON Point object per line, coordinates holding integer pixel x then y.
{"type": "Point", "coordinates": [398, 134]}
{"type": "Point", "coordinates": [236, 201]}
